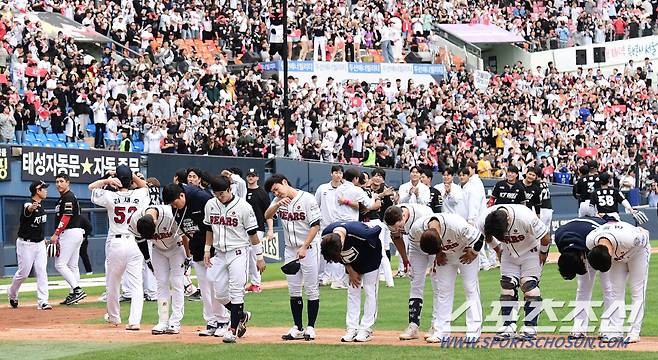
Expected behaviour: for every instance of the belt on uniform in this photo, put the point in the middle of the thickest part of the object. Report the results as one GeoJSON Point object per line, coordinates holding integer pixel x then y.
{"type": "Point", "coordinates": [119, 236]}
{"type": "Point", "coordinates": [31, 240]}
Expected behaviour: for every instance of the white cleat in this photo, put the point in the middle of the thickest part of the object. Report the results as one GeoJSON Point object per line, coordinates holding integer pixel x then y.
{"type": "Point", "coordinates": [338, 285]}
{"type": "Point", "coordinates": [410, 333]}
{"type": "Point", "coordinates": [229, 337]}
{"type": "Point", "coordinates": [159, 329]}
{"type": "Point", "coordinates": [173, 329]}
{"type": "Point", "coordinates": [293, 334]}
{"type": "Point", "coordinates": [349, 336]}
{"type": "Point", "coordinates": [506, 332]}
{"type": "Point", "coordinates": [132, 327]}
{"type": "Point", "coordinates": [429, 332]}
{"type": "Point", "coordinates": [112, 322]}
{"type": "Point", "coordinates": [436, 338]}
{"type": "Point", "coordinates": [309, 333]}
{"type": "Point", "coordinates": [363, 335]}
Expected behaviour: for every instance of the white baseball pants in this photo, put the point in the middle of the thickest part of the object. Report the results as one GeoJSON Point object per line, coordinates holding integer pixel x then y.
{"type": "Point", "coordinates": [149, 281]}
{"type": "Point", "coordinates": [213, 311]}
{"type": "Point", "coordinates": [370, 285]}
{"type": "Point", "coordinates": [124, 259]}
{"type": "Point", "coordinates": [69, 255]}
{"type": "Point", "coordinates": [636, 272]}
{"type": "Point", "coordinates": [31, 254]}
{"type": "Point", "coordinates": [584, 295]}
{"type": "Point", "coordinates": [308, 274]}
{"type": "Point", "coordinates": [443, 281]}
{"type": "Point", "coordinates": [254, 274]}
{"type": "Point", "coordinates": [228, 274]}
{"type": "Point", "coordinates": [168, 269]}
{"type": "Point", "coordinates": [385, 238]}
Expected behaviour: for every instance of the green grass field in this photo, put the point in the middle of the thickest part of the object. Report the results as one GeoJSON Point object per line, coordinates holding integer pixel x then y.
{"type": "Point", "coordinates": [271, 309]}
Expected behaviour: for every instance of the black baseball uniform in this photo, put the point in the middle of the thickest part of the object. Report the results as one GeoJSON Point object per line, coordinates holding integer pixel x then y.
{"type": "Point", "coordinates": [436, 200]}
{"type": "Point", "coordinates": [259, 201]}
{"type": "Point", "coordinates": [532, 193]}
{"type": "Point", "coordinates": [32, 224]}
{"type": "Point", "coordinates": [190, 219]}
{"type": "Point", "coordinates": [544, 196]}
{"type": "Point", "coordinates": [154, 195]}
{"type": "Point", "coordinates": [506, 193]}
{"type": "Point", "coordinates": [68, 205]}
{"type": "Point", "coordinates": [585, 187]}
{"type": "Point", "coordinates": [607, 200]}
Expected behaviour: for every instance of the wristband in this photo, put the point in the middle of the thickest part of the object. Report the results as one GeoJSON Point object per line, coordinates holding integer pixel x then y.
{"type": "Point", "coordinates": [258, 248]}
{"type": "Point", "coordinates": [207, 248]}
{"type": "Point", "coordinates": [544, 248]}
{"type": "Point", "coordinates": [260, 257]}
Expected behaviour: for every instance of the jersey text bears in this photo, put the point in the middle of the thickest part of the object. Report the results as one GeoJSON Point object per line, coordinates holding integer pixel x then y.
{"type": "Point", "coordinates": [223, 220]}
{"type": "Point", "coordinates": [511, 239]}
{"type": "Point", "coordinates": [448, 247]}
{"type": "Point", "coordinates": [163, 235]}
{"type": "Point", "coordinates": [291, 215]}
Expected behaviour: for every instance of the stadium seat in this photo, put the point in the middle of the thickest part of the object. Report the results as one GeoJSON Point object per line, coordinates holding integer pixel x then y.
{"type": "Point", "coordinates": [61, 137]}
{"type": "Point", "coordinates": [41, 138]}
{"type": "Point", "coordinates": [52, 137]}
{"type": "Point", "coordinates": [138, 146]}
{"type": "Point", "coordinates": [29, 136]}
{"type": "Point", "coordinates": [72, 145]}
{"type": "Point", "coordinates": [47, 144]}
{"type": "Point", "coordinates": [29, 143]}
{"type": "Point", "coordinates": [60, 144]}
{"type": "Point", "coordinates": [83, 145]}
{"type": "Point", "coordinates": [91, 130]}
{"type": "Point", "coordinates": [32, 128]}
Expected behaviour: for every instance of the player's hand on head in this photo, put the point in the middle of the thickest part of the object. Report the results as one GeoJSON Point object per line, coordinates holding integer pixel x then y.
{"type": "Point", "coordinates": [114, 182]}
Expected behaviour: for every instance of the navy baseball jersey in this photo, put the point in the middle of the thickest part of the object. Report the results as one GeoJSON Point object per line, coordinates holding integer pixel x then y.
{"type": "Point", "coordinates": [572, 235]}
{"type": "Point", "coordinates": [190, 219]}
{"type": "Point", "coordinates": [362, 248]}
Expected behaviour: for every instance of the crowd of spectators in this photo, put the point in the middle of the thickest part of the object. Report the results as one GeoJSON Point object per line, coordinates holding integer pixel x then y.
{"type": "Point", "coordinates": [177, 103]}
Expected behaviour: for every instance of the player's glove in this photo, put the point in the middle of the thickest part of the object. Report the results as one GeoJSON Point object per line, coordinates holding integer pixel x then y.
{"type": "Point", "coordinates": [186, 263]}
{"type": "Point", "coordinates": [640, 217]}
{"type": "Point", "coordinates": [52, 250]}
{"type": "Point", "coordinates": [150, 266]}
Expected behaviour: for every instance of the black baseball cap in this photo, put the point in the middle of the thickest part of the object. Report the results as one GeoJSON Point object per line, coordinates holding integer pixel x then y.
{"type": "Point", "coordinates": [252, 172]}
{"type": "Point", "coordinates": [219, 184]}
{"type": "Point", "coordinates": [513, 168]}
{"type": "Point", "coordinates": [36, 186]}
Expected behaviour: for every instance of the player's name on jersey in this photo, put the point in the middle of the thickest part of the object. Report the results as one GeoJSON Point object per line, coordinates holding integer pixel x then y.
{"type": "Point", "coordinates": [5, 172]}
{"type": "Point", "coordinates": [82, 166]}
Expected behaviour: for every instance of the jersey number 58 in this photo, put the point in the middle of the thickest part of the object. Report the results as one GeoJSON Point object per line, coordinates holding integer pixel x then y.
{"type": "Point", "coordinates": [121, 213]}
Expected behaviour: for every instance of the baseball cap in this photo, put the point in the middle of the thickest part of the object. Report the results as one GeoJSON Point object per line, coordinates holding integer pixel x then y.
{"type": "Point", "coordinates": [513, 168]}
{"type": "Point", "coordinates": [252, 172]}
{"type": "Point", "coordinates": [37, 185]}
{"type": "Point", "coordinates": [124, 174]}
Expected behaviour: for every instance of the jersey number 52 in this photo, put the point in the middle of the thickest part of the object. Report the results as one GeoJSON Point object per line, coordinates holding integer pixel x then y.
{"type": "Point", "coordinates": [123, 214]}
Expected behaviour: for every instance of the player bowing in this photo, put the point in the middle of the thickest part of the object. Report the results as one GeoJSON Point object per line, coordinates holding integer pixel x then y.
{"type": "Point", "coordinates": [233, 227]}
{"type": "Point", "coordinates": [299, 215]}
{"type": "Point", "coordinates": [157, 224]}
{"type": "Point", "coordinates": [527, 241]}
{"type": "Point", "coordinates": [624, 250]}
{"type": "Point", "coordinates": [456, 244]}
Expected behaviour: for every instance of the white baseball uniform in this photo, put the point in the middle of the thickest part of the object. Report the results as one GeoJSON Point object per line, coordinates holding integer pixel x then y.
{"type": "Point", "coordinates": [327, 200]}
{"type": "Point", "coordinates": [297, 218]}
{"type": "Point", "coordinates": [453, 202]}
{"type": "Point", "coordinates": [355, 194]}
{"type": "Point", "coordinates": [167, 257]}
{"type": "Point", "coordinates": [630, 260]}
{"type": "Point", "coordinates": [238, 186]}
{"type": "Point", "coordinates": [456, 235]}
{"type": "Point", "coordinates": [122, 253]}
{"type": "Point", "coordinates": [230, 224]}
{"type": "Point", "coordinates": [423, 198]}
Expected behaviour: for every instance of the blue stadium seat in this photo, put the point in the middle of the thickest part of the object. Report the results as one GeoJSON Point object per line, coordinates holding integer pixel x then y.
{"type": "Point", "coordinates": [83, 145]}
{"type": "Point", "coordinates": [91, 130]}
{"type": "Point", "coordinates": [72, 145]}
{"type": "Point", "coordinates": [41, 138]}
{"type": "Point", "coordinates": [29, 136]}
{"type": "Point", "coordinates": [138, 146]}
{"type": "Point", "coordinates": [52, 137]}
{"type": "Point", "coordinates": [60, 144]}
{"type": "Point", "coordinates": [47, 144]}
{"type": "Point", "coordinates": [61, 137]}
{"type": "Point", "coordinates": [32, 128]}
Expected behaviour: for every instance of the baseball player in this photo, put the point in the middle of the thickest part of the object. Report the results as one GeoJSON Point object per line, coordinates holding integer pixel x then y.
{"type": "Point", "coordinates": [532, 189]}
{"type": "Point", "coordinates": [412, 192]}
{"type": "Point", "coordinates": [545, 203]}
{"type": "Point", "coordinates": [189, 202]}
{"type": "Point", "coordinates": [299, 215]}
{"type": "Point", "coordinates": [30, 248]}
{"type": "Point", "coordinates": [456, 244]}
{"type": "Point", "coordinates": [436, 199]}
{"type": "Point", "coordinates": [385, 194]}
{"type": "Point", "coordinates": [585, 186]}
{"type": "Point", "coordinates": [157, 224]}
{"type": "Point", "coordinates": [330, 273]}
{"type": "Point", "coordinates": [122, 253]}
{"type": "Point", "coordinates": [624, 251]}
{"type": "Point", "coordinates": [607, 200]}
{"type": "Point", "coordinates": [400, 219]}
{"type": "Point", "coordinates": [69, 235]}
{"type": "Point", "coordinates": [527, 242]}
{"type": "Point", "coordinates": [232, 227]}
{"type": "Point", "coordinates": [260, 202]}
{"type": "Point", "coordinates": [358, 248]}
{"type": "Point", "coordinates": [452, 194]}
{"type": "Point", "coordinates": [238, 185]}
{"type": "Point", "coordinates": [570, 239]}
{"type": "Point", "coordinates": [508, 191]}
